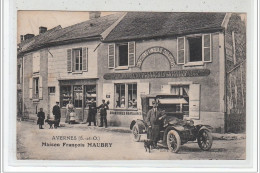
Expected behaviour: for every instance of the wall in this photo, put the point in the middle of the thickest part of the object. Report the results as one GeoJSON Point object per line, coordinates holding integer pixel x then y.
{"type": "Point", "coordinates": [235, 119]}
{"type": "Point", "coordinates": [31, 104]}
{"type": "Point", "coordinates": [210, 89]}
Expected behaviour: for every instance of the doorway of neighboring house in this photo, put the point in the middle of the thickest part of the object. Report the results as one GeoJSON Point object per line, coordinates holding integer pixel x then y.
{"type": "Point", "coordinates": [51, 101]}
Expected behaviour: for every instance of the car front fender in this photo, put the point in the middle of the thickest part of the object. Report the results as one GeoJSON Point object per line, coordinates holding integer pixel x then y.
{"type": "Point", "coordinates": [204, 127]}
{"type": "Point", "coordinates": [141, 125]}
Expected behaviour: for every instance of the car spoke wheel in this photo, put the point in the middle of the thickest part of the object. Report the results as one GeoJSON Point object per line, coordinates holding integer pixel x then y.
{"type": "Point", "coordinates": [136, 133]}
{"type": "Point", "coordinates": [205, 140]}
{"type": "Point", "coordinates": [173, 141]}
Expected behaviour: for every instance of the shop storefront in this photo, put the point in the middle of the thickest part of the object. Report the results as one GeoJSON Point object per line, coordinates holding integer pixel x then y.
{"type": "Point", "coordinates": [80, 92]}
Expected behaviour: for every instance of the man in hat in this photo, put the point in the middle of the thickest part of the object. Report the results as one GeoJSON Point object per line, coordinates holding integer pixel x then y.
{"type": "Point", "coordinates": [92, 113]}
{"type": "Point", "coordinates": [103, 113]}
{"type": "Point", "coordinates": [57, 114]}
{"type": "Point", "coordinates": [154, 116]}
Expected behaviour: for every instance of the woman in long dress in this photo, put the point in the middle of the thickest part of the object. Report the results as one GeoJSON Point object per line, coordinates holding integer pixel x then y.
{"type": "Point", "coordinates": [70, 108]}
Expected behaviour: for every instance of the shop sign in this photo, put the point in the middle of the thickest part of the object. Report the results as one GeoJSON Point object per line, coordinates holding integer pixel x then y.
{"type": "Point", "coordinates": [125, 113]}
{"type": "Point", "coordinates": [157, 74]}
{"type": "Point", "coordinates": [154, 50]}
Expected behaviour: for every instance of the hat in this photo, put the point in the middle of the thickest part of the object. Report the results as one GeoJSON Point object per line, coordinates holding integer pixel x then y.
{"type": "Point", "coordinates": [103, 99]}
{"type": "Point", "coordinates": [57, 102]}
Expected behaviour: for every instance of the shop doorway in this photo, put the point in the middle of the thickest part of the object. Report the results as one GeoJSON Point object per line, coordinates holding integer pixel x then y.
{"type": "Point", "coordinates": [51, 95]}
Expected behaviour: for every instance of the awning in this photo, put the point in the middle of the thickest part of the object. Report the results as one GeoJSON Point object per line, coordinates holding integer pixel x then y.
{"type": "Point", "coordinates": [173, 101]}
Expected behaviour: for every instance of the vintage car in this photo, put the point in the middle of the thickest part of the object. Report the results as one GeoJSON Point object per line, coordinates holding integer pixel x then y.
{"type": "Point", "coordinates": [174, 129]}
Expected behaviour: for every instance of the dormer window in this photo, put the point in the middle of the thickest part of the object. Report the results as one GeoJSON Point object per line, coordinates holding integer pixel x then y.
{"type": "Point", "coordinates": [194, 50]}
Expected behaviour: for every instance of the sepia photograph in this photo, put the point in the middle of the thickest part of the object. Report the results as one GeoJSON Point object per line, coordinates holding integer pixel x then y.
{"type": "Point", "coordinates": [95, 85]}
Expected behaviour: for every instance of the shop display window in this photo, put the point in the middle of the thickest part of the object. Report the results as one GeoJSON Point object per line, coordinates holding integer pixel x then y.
{"type": "Point", "coordinates": [90, 93]}
{"type": "Point", "coordinates": [126, 96]}
{"type": "Point", "coordinates": [66, 95]}
{"type": "Point", "coordinates": [132, 96]}
{"type": "Point", "coordinates": [78, 96]}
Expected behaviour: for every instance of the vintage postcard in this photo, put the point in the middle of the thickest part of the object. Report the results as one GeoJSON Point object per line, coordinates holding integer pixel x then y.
{"type": "Point", "coordinates": [131, 85]}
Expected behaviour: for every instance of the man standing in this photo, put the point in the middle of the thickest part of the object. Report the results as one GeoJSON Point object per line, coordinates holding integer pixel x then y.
{"type": "Point", "coordinates": [153, 121]}
{"type": "Point", "coordinates": [92, 113]}
{"type": "Point", "coordinates": [103, 113]}
{"type": "Point", "coordinates": [56, 113]}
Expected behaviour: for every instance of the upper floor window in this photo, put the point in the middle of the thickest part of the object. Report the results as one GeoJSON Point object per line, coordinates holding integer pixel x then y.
{"type": "Point", "coordinates": [36, 62]}
{"type": "Point", "coordinates": [121, 55]}
{"type": "Point", "coordinates": [77, 59]}
{"type": "Point", "coordinates": [192, 49]}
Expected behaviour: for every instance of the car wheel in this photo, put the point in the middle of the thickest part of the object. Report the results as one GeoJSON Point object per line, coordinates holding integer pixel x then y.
{"type": "Point", "coordinates": [136, 133]}
{"type": "Point", "coordinates": [173, 141]}
{"type": "Point", "coordinates": [205, 140]}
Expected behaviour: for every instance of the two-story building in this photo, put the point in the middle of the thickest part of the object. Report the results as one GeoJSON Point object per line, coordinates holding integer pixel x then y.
{"type": "Point", "coordinates": [183, 54]}
{"type": "Point", "coordinates": [61, 65]}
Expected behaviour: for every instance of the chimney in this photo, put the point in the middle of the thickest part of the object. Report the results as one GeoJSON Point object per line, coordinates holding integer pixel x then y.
{"type": "Point", "coordinates": [42, 29]}
{"type": "Point", "coordinates": [21, 37]}
{"type": "Point", "coordinates": [94, 14]}
{"type": "Point", "coordinates": [28, 36]}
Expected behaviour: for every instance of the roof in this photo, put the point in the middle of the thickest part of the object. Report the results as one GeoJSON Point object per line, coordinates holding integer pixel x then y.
{"type": "Point", "coordinates": [141, 25]}
{"type": "Point", "coordinates": [31, 43]}
{"type": "Point", "coordinates": [88, 29]}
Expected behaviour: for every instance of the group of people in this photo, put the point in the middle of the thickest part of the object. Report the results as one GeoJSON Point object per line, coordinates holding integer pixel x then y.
{"type": "Point", "coordinates": [70, 115]}
{"type": "Point", "coordinates": [93, 111]}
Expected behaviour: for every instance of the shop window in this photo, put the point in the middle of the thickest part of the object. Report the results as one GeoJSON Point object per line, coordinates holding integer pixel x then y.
{"type": "Point", "coordinates": [51, 90]}
{"type": "Point", "coordinates": [126, 96]}
{"type": "Point", "coordinates": [121, 55]}
{"type": "Point", "coordinates": [192, 49]}
{"type": "Point", "coordinates": [90, 93]}
{"type": "Point", "coordinates": [78, 96]}
{"type": "Point", "coordinates": [120, 95]}
{"type": "Point", "coordinates": [36, 87]}
{"type": "Point", "coordinates": [77, 57]}
{"type": "Point", "coordinates": [132, 96]}
{"type": "Point", "coordinates": [181, 101]}
{"type": "Point", "coordinates": [66, 95]}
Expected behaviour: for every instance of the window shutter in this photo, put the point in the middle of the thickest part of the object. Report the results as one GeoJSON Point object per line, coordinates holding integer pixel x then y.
{"type": "Point", "coordinates": [166, 89]}
{"type": "Point", "coordinates": [36, 62]}
{"type": "Point", "coordinates": [206, 48]}
{"type": "Point", "coordinates": [30, 88]}
{"type": "Point", "coordinates": [111, 56]}
{"type": "Point", "coordinates": [69, 60]}
{"type": "Point", "coordinates": [142, 88]}
{"type": "Point", "coordinates": [85, 59]}
{"type": "Point", "coordinates": [181, 50]}
{"type": "Point", "coordinates": [40, 87]}
{"type": "Point", "coordinates": [194, 99]}
{"type": "Point", "coordinates": [131, 54]}
{"type": "Point", "coordinates": [108, 90]}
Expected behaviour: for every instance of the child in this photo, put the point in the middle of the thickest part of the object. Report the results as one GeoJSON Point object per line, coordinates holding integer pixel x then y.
{"type": "Point", "coordinates": [41, 117]}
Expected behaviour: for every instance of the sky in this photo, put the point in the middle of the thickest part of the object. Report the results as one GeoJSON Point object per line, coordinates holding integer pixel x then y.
{"type": "Point", "coordinates": [30, 21]}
